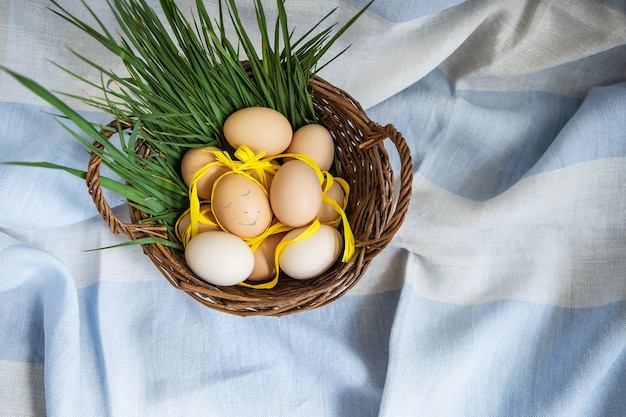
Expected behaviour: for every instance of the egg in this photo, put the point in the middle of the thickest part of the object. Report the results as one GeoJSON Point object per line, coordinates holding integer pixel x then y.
{"type": "Point", "coordinates": [295, 194]}
{"type": "Point", "coordinates": [260, 128]}
{"type": "Point", "coordinates": [327, 213]}
{"type": "Point", "coordinates": [219, 258]}
{"type": "Point", "coordinates": [193, 160]}
{"type": "Point", "coordinates": [241, 206]}
{"type": "Point", "coordinates": [316, 142]}
{"type": "Point", "coordinates": [205, 210]}
{"type": "Point", "coordinates": [312, 256]}
{"type": "Point", "coordinates": [264, 262]}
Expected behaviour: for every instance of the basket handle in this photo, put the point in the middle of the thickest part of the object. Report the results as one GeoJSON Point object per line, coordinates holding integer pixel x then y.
{"type": "Point", "coordinates": [374, 135]}
{"type": "Point", "coordinates": [379, 134]}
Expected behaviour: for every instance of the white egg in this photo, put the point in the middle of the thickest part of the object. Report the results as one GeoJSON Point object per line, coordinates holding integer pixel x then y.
{"type": "Point", "coordinates": [220, 258]}
{"type": "Point", "coordinates": [308, 258]}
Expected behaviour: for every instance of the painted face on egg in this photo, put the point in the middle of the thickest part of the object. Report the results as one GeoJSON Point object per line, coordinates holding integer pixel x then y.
{"type": "Point", "coordinates": [241, 206]}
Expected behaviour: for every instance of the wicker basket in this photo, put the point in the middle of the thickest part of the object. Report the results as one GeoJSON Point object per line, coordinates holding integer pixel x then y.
{"type": "Point", "coordinates": [374, 213]}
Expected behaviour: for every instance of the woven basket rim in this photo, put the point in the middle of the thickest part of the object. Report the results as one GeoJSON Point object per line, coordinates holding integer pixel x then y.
{"type": "Point", "coordinates": [377, 217]}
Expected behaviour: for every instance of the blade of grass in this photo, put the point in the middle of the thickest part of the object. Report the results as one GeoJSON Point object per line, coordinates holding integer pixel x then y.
{"type": "Point", "coordinates": [141, 241]}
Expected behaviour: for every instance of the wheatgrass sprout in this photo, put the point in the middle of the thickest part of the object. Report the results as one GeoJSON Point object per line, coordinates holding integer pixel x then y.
{"type": "Point", "coordinates": [183, 78]}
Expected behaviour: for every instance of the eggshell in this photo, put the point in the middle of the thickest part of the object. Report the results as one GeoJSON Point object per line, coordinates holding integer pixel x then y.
{"type": "Point", "coordinates": [241, 206]}
{"type": "Point", "coordinates": [326, 213]}
{"type": "Point", "coordinates": [260, 128]}
{"type": "Point", "coordinates": [316, 142]}
{"type": "Point", "coordinates": [220, 258]}
{"type": "Point", "coordinates": [296, 194]}
{"type": "Point", "coordinates": [205, 209]}
{"type": "Point", "coordinates": [264, 265]}
{"type": "Point", "coordinates": [310, 257]}
{"type": "Point", "coordinates": [193, 160]}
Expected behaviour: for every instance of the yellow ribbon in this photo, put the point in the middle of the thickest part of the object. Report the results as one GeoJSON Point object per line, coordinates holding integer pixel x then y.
{"type": "Point", "coordinates": [248, 163]}
{"type": "Point", "coordinates": [189, 232]}
{"type": "Point", "coordinates": [307, 233]}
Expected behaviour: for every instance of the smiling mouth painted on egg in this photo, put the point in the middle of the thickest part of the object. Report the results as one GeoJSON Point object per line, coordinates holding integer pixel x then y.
{"type": "Point", "coordinates": [258, 213]}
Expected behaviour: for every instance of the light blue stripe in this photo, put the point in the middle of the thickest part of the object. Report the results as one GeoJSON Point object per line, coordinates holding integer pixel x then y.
{"type": "Point", "coordinates": [399, 11]}
{"type": "Point", "coordinates": [597, 130]}
{"type": "Point", "coordinates": [29, 133]}
{"type": "Point", "coordinates": [506, 358]}
{"type": "Point", "coordinates": [333, 359]}
{"type": "Point", "coordinates": [619, 5]}
{"type": "Point", "coordinates": [477, 144]}
{"type": "Point", "coordinates": [21, 321]}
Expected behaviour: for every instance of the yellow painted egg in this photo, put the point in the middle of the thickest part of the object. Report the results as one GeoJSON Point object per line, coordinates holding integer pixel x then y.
{"type": "Point", "coordinates": [312, 256]}
{"type": "Point", "coordinates": [193, 160]}
{"type": "Point", "coordinates": [219, 258]}
{"type": "Point", "coordinates": [241, 206]}
{"type": "Point", "coordinates": [260, 128]}
{"type": "Point", "coordinates": [295, 194]}
{"type": "Point", "coordinates": [316, 142]}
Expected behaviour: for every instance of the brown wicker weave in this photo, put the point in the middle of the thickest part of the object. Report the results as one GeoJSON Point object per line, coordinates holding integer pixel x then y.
{"type": "Point", "coordinates": [374, 213]}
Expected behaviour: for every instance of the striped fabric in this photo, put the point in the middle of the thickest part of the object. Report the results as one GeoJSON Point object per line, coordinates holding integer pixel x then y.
{"type": "Point", "coordinates": [503, 294]}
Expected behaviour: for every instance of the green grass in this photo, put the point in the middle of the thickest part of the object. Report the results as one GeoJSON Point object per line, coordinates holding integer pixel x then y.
{"type": "Point", "coordinates": [180, 88]}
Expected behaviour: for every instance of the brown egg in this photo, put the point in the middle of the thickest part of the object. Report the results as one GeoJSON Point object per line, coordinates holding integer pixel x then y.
{"type": "Point", "coordinates": [264, 265]}
{"type": "Point", "coordinates": [193, 160]}
{"type": "Point", "coordinates": [314, 141]}
{"type": "Point", "coordinates": [260, 128]}
{"type": "Point", "coordinates": [241, 205]}
{"type": "Point", "coordinates": [327, 214]}
{"type": "Point", "coordinates": [296, 194]}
